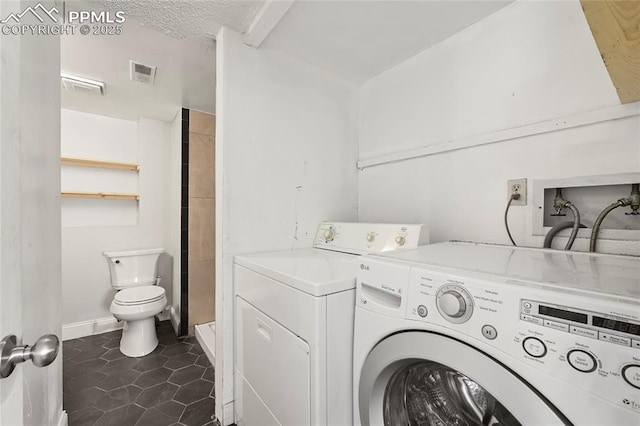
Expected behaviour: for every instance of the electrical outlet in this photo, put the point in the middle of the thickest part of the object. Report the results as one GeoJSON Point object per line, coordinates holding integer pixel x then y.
{"type": "Point", "coordinates": [517, 186]}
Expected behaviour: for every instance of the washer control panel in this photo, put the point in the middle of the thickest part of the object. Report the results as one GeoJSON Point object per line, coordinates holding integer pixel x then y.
{"type": "Point", "coordinates": [593, 325]}
{"type": "Point", "coordinates": [593, 345]}
{"type": "Point", "coordinates": [596, 349]}
{"type": "Point", "coordinates": [603, 345]}
{"type": "Point", "coordinates": [362, 238]}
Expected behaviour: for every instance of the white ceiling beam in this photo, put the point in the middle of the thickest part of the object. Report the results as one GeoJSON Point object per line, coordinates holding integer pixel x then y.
{"type": "Point", "coordinates": [265, 21]}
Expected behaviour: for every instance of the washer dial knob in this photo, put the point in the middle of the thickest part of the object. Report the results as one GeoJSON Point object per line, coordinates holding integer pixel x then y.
{"type": "Point", "coordinates": [454, 303]}
{"type": "Point", "coordinates": [371, 236]}
{"type": "Point", "coordinates": [400, 240]}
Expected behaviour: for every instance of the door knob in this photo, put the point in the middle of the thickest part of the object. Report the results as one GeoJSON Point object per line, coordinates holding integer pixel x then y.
{"type": "Point", "coordinates": [42, 353]}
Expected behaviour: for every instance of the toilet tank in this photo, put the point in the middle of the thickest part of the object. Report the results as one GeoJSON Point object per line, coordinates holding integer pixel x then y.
{"type": "Point", "coordinates": [133, 268]}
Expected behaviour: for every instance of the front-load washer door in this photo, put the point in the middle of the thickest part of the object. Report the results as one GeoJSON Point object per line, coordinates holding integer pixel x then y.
{"type": "Point", "coordinates": [427, 379]}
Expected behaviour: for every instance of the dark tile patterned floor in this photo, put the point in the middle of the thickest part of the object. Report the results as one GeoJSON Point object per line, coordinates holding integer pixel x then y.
{"type": "Point", "coordinates": [171, 386]}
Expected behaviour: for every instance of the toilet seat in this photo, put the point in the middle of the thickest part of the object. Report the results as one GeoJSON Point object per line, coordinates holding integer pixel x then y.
{"type": "Point", "coordinates": [139, 295]}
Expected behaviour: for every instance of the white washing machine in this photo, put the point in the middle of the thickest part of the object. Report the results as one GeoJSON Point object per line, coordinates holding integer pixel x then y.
{"type": "Point", "coordinates": [471, 334]}
{"type": "Point", "coordinates": [294, 325]}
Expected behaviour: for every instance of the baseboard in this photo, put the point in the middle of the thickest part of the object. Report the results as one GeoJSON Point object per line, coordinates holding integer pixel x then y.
{"type": "Point", "coordinates": [89, 328]}
{"type": "Point", "coordinates": [175, 319]}
{"type": "Point", "coordinates": [206, 336]}
{"type": "Point", "coordinates": [63, 420]}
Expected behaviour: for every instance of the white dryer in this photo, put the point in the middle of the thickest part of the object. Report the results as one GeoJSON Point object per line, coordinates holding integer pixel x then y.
{"type": "Point", "coordinates": [472, 334]}
{"type": "Point", "coordinates": [294, 325]}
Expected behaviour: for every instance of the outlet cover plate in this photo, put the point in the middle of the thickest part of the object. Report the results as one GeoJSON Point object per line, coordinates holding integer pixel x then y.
{"type": "Point", "coordinates": [517, 186]}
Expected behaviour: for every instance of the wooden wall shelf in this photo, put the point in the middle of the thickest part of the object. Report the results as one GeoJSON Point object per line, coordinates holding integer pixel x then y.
{"type": "Point", "coordinates": [82, 162]}
{"type": "Point", "coordinates": [100, 195]}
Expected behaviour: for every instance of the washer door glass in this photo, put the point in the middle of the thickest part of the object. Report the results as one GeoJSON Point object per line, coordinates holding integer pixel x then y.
{"type": "Point", "coordinates": [424, 378]}
{"type": "Point", "coordinates": [429, 393]}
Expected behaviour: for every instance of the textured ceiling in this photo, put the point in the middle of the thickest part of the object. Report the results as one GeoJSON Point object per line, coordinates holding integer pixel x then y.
{"type": "Point", "coordinates": [357, 39]}
{"type": "Point", "coordinates": [186, 18]}
{"type": "Point", "coordinates": [174, 35]}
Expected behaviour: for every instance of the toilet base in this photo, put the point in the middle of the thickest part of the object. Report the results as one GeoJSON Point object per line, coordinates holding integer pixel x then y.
{"type": "Point", "coordinates": [139, 337]}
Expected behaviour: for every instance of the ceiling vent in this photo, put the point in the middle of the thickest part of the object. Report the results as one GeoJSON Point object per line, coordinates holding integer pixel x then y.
{"type": "Point", "coordinates": [82, 85]}
{"type": "Point", "coordinates": [142, 73]}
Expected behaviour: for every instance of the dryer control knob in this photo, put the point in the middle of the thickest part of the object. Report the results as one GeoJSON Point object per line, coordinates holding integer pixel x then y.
{"type": "Point", "coordinates": [329, 234]}
{"type": "Point", "coordinates": [453, 304]}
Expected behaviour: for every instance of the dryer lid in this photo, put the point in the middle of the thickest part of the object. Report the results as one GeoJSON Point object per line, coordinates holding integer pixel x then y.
{"type": "Point", "coordinates": [315, 272]}
{"type": "Point", "coordinates": [139, 295]}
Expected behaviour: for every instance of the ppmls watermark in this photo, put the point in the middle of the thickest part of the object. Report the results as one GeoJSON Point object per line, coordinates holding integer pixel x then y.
{"type": "Point", "coordinates": [40, 20]}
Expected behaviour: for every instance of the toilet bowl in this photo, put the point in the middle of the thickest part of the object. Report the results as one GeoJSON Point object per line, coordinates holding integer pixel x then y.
{"type": "Point", "coordinates": [138, 300]}
{"type": "Point", "coordinates": [138, 307]}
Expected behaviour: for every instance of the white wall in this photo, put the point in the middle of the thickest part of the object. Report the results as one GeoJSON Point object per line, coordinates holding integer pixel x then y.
{"type": "Point", "coordinates": [97, 137]}
{"type": "Point", "coordinates": [86, 289]}
{"type": "Point", "coordinates": [530, 62]}
{"type": "Point", "coordinates": [285, 160]}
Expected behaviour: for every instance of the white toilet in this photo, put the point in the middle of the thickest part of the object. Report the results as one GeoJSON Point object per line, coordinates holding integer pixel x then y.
{"type": "Point", "coordinates": [139, 298]}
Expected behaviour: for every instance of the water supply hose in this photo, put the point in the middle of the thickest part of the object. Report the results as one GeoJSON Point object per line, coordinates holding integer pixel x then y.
{"type": "Point", "coordinates": [576, 224]}
{"type": "Point", "coordinates": [553, 231]}
{"type": "Point", "coordinates": [633, 200]}
{"type": "Point", "coordinates": [560, 203]}
{"type": "Point", "coordinates": [598, 222]}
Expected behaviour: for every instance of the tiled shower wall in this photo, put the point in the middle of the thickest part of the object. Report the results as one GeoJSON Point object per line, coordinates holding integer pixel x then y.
{"type": "Point", "coordinates": [198, 202]}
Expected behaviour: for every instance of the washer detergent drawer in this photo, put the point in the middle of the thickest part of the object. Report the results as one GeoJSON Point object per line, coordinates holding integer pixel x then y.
{"type": "Point", "coordinates": [275, 363]}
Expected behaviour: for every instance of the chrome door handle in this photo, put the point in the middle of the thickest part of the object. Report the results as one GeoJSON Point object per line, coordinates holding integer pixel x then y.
{"type": "Point", "coordinates": [42, 353]}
